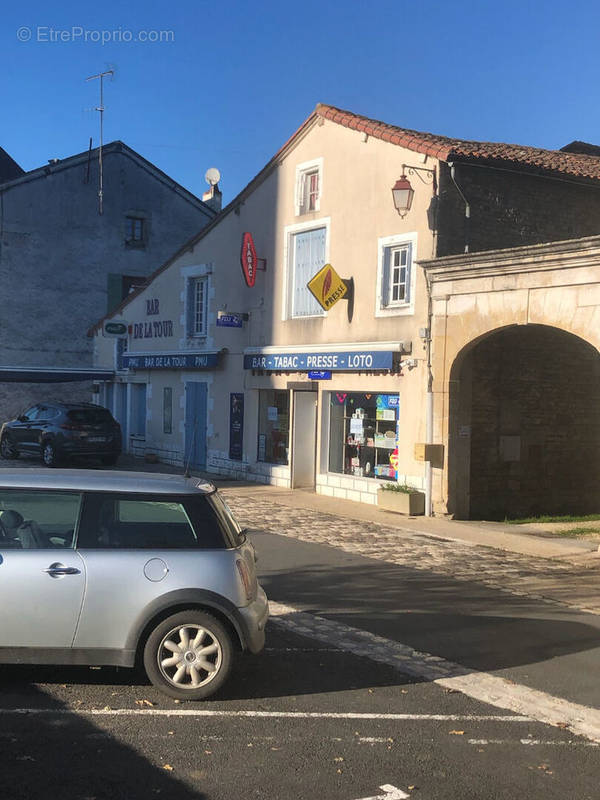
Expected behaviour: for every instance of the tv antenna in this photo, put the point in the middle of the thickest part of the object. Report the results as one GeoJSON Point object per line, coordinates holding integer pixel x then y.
{"type": "Point", "coordinates": [100, 76]}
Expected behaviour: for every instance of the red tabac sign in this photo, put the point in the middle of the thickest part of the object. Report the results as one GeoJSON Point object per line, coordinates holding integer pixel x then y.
{"type": "Point", "coordinates": [249, 260]}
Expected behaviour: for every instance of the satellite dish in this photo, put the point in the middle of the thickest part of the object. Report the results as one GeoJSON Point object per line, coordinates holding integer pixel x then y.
{"type": "Point", "coordinates": [212, 176]}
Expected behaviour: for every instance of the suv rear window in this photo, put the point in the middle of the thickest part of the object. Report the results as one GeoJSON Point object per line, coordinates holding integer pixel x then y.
{"type": "Point", "coordinates": [90, 416]}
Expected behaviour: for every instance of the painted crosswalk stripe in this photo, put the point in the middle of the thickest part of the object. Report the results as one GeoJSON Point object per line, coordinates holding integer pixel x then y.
{"type": "Point", "coordinates": [482, 686]}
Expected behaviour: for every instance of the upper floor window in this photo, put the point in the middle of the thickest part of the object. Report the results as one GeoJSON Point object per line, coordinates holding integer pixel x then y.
{"type": "Point", "coordinates": [396, 290]}
{"type": "Point", "coordinates": [307, 254]}
{"type": "Point", "coordinates": [197, 306]}
{"type": "Point", "coordinates": [395, 278]}
{"type": "Point", "coordinates": [135, 231]}
{"type": "Point", "coordinates": [309, 179]}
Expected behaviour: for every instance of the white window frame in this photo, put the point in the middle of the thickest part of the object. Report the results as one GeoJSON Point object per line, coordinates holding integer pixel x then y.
{"type": "Point", "coordinates": [302, 171]}
{"type": "Point", "coordinates": [198, 305]}
{"type": "Point", "coordinates": [385, 245]}
{"type": "Point", "coordinates": [288, 256]}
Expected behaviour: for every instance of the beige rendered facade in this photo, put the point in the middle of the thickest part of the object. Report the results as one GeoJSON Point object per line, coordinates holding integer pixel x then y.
{"type": "Point", "coordinates": [216, 368]}
{"type": "Point", "coordinates": [325, 198]}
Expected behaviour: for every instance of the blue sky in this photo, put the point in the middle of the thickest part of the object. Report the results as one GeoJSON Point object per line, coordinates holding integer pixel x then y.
{"type": "Point", "coordinates": [238, 78]}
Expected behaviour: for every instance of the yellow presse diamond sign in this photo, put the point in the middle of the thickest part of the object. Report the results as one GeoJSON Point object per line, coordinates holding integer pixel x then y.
{"type": "Point", "coordinates": [327, 287]}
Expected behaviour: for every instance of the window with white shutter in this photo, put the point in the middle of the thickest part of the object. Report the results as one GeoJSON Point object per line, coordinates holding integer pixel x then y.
{"type": "Point", "coordinates": [308, 256]}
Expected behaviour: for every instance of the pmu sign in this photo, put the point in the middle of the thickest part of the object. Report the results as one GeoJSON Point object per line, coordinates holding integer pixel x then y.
{"type": "Point", "coordinates": [116, 328]}
{"type": "Point", "coordinates": [248, 258]}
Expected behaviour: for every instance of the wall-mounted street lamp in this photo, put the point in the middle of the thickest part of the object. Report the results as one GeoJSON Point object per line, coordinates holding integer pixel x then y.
{"type": "Point", "coordinates": [402, 191]}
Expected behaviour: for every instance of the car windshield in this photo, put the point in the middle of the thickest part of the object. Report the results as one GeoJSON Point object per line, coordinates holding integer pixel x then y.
{"type": "Point", "coordinates": [90, 416]}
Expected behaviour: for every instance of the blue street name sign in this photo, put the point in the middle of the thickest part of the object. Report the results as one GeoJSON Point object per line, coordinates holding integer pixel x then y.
{"type": "Point", "coordinates": [319, 375]}
{"type": "Point", "coordinates": [229, 320]}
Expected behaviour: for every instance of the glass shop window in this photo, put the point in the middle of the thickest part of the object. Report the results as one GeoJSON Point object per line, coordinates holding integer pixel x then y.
{"type": "Point", "coordinates": [273, 426]}
{"type": "Point", "coordinates": [363, 434]}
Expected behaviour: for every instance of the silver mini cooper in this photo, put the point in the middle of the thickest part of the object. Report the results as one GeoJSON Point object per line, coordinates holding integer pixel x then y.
{"type": "Point", "coordinates": [121, 568]}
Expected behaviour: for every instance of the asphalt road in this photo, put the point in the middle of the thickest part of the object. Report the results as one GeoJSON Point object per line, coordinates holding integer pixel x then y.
{"type": "Point", "coordinates": [309, 718]}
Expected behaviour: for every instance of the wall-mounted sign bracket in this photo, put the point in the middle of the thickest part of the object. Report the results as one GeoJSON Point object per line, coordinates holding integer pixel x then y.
{"type": "Point", "coordinates": [349, 296]}
{"type": "Point", "coordinates": [261, 264]}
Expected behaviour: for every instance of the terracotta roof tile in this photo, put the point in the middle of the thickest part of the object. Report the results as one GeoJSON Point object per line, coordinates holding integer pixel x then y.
{"type": "Point", "coordinates": [573, 164]}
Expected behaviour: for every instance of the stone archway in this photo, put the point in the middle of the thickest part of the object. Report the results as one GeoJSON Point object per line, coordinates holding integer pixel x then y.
{"type": "Point", "coordinates": [524, 425]}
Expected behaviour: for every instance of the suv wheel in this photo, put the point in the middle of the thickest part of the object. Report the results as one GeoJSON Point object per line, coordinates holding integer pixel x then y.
{"type": "Point", "coordinates": [7, 448]}
{"type": "Point", "coordinates": [189, 655]}
{"type": "Point", "coordinates": [49, 454]}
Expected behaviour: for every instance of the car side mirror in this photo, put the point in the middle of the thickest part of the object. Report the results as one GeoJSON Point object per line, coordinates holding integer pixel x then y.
{"type": "Point", "coordinates": [22, 418]}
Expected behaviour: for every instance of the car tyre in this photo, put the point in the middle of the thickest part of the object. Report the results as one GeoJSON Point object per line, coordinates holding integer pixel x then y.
{"type": "Point", "coordinates": [49, 454]}
{"type": "Point", "coordinates": [109, 461]}
{"type": "Point", "coordinates": [7, 448]}
{"type": "Point", "coordinates": [189, 655]}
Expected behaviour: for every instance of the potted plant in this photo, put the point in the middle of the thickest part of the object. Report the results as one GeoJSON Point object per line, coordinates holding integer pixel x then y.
{"type": "Point", "coordinates": [401, 498]}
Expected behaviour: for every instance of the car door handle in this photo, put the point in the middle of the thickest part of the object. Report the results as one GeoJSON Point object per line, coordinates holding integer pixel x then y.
{"type": "Point", "coordinates": [58, 569]}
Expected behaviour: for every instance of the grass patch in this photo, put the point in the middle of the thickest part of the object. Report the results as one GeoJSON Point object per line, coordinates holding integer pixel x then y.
{"type": "Point", "coordinates": [576, 533]}
{"type": "Point", "coordinates": [548, 518]}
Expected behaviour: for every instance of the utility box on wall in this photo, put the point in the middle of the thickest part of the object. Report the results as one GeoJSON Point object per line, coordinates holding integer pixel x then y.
{"type": "Point", "coordinates": [430, 452]}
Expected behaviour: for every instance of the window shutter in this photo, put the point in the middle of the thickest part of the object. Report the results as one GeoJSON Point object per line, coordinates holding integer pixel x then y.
{"type": "Point", "coordinates": [407, 296]}
{"type": "Point", "coordinates": [385, 278]}
{"type": "Point", "coordinates": [309, 258]}
{"type": "Point", "coordinates": [189, 322]}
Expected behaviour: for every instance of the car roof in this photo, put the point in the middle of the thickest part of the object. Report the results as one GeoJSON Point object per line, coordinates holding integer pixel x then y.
{"type": "Point", "coordinates": [103, 480]}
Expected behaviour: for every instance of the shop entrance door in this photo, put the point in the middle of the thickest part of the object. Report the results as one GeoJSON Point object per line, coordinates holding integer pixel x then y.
{"type": "Point", "coordinates": [304, 440]}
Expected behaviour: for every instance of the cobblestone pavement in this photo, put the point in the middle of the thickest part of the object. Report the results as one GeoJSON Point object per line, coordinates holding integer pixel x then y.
{"type": "Point", "coordinates": [555, 582]}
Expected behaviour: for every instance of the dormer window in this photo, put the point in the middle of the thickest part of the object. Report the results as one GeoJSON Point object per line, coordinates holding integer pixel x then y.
{"type": "Point", "coordinates": [309, 188]}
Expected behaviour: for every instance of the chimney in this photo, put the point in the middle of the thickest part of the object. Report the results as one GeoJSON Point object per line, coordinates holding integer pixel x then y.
{"type": "Point", "coordinates": [212, 197]}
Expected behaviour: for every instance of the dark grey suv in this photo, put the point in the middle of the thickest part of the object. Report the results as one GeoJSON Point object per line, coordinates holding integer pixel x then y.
{"type": "Point", "coordinates": [57, 431]}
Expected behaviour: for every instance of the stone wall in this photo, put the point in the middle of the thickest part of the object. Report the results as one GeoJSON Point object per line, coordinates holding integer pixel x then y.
{"type": "Point", "coordinates": [535, 424]}
{"type": "Point", "coordinates": [509, 209]}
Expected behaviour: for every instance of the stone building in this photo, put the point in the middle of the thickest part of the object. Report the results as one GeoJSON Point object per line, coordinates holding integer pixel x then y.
{"type": "Point", "coordinates": [63, 264]}
{"type": "Point", "coordinates": [252, 378]}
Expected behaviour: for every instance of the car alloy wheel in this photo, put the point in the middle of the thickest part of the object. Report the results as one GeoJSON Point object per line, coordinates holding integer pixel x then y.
{"type": "Point", "coordinates": [189, 655]}
{"type": "Point", "coordinates": [49, 456]}
{"type": "Point", "coordinates": [7, 448]}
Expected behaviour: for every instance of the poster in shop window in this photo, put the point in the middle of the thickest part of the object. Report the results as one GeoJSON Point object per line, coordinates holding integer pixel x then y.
{"type": "Point", "coordinates": [236, 426]}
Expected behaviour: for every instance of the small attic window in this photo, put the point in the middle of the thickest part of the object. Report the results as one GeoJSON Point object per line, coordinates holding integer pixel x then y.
{"type": "Point", "coordinates": [309, 186]}
{"type": "Point", "coordinates": [135, 231]}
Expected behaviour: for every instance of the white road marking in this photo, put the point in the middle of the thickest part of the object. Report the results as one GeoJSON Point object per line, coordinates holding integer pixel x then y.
{"type": "Point", "coordinates": [201, 712]}
{"type": "Point", "coordinates": [482, 686]}
{"type": "Point", "coordinates": [534, 742]}
{"type": "Point", "coordinates": [391, 793]}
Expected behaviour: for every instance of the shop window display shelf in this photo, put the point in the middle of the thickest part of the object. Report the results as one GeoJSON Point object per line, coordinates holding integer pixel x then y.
{"type": "Point", "coordinates": [367, 455]}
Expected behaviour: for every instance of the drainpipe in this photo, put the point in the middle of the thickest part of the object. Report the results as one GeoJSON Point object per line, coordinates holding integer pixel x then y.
{"type": "Point", "coordinates": [465, 201]}
{"type": "Point", "coordinates": [429, 403]}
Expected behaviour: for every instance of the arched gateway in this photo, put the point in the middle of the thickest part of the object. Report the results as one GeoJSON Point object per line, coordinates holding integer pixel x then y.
{"type": "Point", "coordinates": [515, 352]}
{"type": "Point", "coordinates": [524, 423]}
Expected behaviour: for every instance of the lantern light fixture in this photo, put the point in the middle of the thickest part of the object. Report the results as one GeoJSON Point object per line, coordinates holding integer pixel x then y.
{"type": "Point", "coordinates": [402, 191]}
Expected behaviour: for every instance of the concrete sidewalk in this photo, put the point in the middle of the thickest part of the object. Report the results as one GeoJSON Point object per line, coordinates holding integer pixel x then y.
{"type": "Point", "coordinates": [498, 535]}
{"type": "Point", "coordinates": [489, 534]}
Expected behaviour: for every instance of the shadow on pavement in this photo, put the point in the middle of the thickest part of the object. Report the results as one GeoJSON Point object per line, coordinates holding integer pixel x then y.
{"type": "Point", "coordinates": [289, 666]}
{"type": "Point", "coordinates": [64, 755]}
{"type": "Point", "coordinates": [469, 623]}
